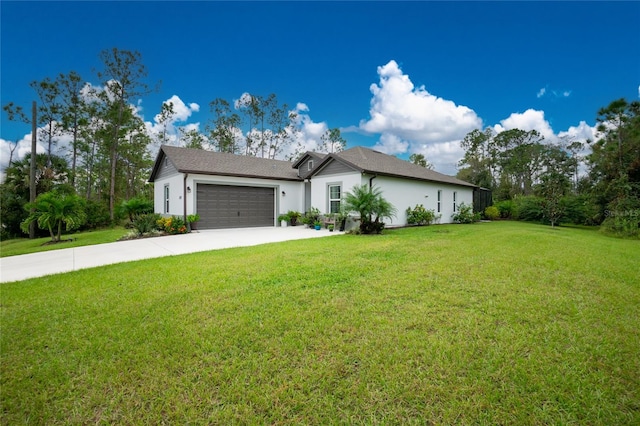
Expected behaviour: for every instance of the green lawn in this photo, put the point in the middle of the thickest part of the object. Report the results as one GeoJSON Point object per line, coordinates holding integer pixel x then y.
{"type": "Point", "coordinates": [493, 323]}
{"type": "Point", "coordinates": [24, 245]}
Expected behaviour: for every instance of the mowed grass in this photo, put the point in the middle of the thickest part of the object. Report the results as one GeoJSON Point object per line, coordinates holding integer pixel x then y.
{"type": "Point", "coordinates": [18, 246]}
{"type": "Point", "coordinates": [494, 323]}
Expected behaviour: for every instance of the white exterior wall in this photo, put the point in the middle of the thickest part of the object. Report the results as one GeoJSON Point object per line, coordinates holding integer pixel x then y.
{"type": "Point", "coordinates": [403, 193]}
{"type": "Point", "coordinates": [175, 183]}
{"type": "Point", "coordinates": [293, 199]}
{"type": "Point", "coordinates": [320, 188]}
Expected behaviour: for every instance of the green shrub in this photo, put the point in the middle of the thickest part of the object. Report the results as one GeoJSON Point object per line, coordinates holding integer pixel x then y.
{"type": "Point", "coordinates": [293, 217]}
{"type": "Point", "coordinates": [311, 217]}
{"type": "Point", "coordinates": [97, 215]}
{"type": "Point", "coordinates": [622, 218]}
{"type": "Point", "coordinates": [145, 223]}
{"type": "Point", "coordinates": [172, 225]}
{"type": "Point", "coordinates": [371, 207]}
{"type": "Point", "coordinates": [580, 210]}
{"type": "Point", "coordinates": [505, 208]}
{"type": "Point", "coordinates": [492, 213]}
{"type": "Point", "coordinates": [529, 208]}
{"type": "Point", "coordinates": [135, 207]}
{"type": "Point", "coordinates": [420, 216]}
{"type": "Point", "coordinates": [465, 214]}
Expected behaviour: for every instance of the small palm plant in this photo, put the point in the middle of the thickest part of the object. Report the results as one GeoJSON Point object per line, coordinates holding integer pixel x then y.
{"type": "Point", "coordinates": [53, 209]}
{"type": "Point", "coordinates": [372, 207]}
{"type": "Point", "coordinates": [136, 207]}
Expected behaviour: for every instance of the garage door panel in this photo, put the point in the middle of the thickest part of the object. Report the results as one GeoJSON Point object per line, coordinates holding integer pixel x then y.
{"type": "Point", "coordinates": [227, 206]}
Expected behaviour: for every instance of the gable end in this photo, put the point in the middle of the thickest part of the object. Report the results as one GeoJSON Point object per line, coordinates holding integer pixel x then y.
{"type": "Point", "coordinates": [334, 167]}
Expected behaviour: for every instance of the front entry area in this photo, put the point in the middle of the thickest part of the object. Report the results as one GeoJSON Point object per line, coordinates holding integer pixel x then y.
{"type": "Point", "coordinates": [229, 206]}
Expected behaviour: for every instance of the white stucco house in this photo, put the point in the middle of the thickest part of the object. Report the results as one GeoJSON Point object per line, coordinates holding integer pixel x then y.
{"type": "Point", "coordinates": [234, 191]}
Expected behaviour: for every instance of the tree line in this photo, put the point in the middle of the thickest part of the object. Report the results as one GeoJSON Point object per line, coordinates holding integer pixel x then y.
{"type": "Point", "coordinates": [535, 179]}
{"type": "Point", "coordinates": [109, 158]}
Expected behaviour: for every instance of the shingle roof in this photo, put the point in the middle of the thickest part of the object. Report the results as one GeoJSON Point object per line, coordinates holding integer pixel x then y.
{"type": "Point", "coordinates": [199, 161]}
{"type": "Point", "coordinates": [373, 162]}
{"type": "Point", "coordinates": [365, 160]}
{"type": "Point", "coordinates": [315, 156]}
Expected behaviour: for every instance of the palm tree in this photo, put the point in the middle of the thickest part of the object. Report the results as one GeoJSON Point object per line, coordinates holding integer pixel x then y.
{"type": "Point", "coordinates": [53, 209]}
{"type": "Point", "coordinates": [371, 206]}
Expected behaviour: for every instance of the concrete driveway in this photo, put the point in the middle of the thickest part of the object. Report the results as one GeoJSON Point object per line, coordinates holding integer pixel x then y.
{"type": "Point", "coordinates": [15, 268]}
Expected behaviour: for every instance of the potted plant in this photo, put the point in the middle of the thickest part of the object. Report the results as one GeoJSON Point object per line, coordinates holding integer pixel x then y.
{"type": "Point", "coordinates": [311, 217]}
{"type": "Point", "coordinates": [317, 224]}
{"type": "Point", "coordinates": [330, 228]}
{"type": "Point", "coordinates": [284, 220]}
{"type": "Point", "coordinates": [293, 217]}
{"type": "Point", "coordinates": [341, 219]}
{"type": "Point", "coordinates": [193, 221]}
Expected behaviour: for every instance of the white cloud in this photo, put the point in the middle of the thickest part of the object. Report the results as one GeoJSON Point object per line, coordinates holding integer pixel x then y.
{"type": "Point", "coordinates": [245, 99]}
{"type": "Point", "coordinates": [411, 120]}
{"type": "Point", "coordinates": [406, 116]}
{"type": "Point", "coordinates": [582, 132]}
{"type": "Point", "coordinates": [391, 144]}
{"type": "Point", "coordinates": [59, 148]}
{"type": "Point", "coordinates": [553, 93]}
{"type": "Point", "coordinates": [444, 156]}
{"type": "Point", "coordinates": [306, 133]}
{"type": "Point", "coordinates": [182, 112]}
{"type": "Point", "coordinates": [531, 119]}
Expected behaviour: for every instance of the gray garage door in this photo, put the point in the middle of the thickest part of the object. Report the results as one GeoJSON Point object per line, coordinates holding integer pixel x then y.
{"type": "Point", "coordinates": [227, 206]}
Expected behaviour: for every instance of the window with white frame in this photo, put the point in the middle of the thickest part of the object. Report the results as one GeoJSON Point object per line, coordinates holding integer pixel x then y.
{"type": "Point", "coordinates": [335, 194]}
{"type": "Point", "coordinates": [166, 198]}
{"type": "Point", "coordinates": [455, 199]}
{"type": "Point", "coordinates": [310, 165]}
{"type": "Point", "coordinates": [439, 200]}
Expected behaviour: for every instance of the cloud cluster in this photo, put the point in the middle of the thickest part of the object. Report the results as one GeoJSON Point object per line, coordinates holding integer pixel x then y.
{"type": "Point", "coordinates": [181, 113]}
{"type": "Point", "coordinates": [529, 120]}
{"type": "Point", "coordinates": [400, 111]}
{"type": "Point", "coordinates": [306, 134]}
{"type": "Point", "coordinates": [554, 93]}
{"type": "Point", "coordinates": [410, 119]}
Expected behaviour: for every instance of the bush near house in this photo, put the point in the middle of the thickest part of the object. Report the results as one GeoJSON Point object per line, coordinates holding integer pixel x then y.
{"type": "Point", "coordinates": [505, 208]}
{"type": "Point", "coordinates": [492, 213]}
{"type": "Point", "coordinates": [135, 207]}
{"type": "Point", "coordinates": [372, 207]}
{"type": "Point", "coordinates": [172, 225]}
{"type": "Point", "coordinates": [465, 214]}
{"type": "Point", "coordinates": [419, 215]}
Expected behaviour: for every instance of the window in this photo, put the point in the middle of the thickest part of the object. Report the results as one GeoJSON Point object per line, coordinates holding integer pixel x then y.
{"type": "Point", "coordinates": [166, 198]}
{"type": "Point", "coordinates": [455, 197]}
{"type": "Point", "coordinates": [439, 200]}
{"type": "Point", "coordinates": [310, 165]}
{"type": "Point", "coordinates": [334, 198]}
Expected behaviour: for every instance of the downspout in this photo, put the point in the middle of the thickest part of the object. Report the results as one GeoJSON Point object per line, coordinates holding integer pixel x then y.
{"type": "Point", "coordinates": [371, 187]}
{"type": "Point", "coordinates": [184, 198]}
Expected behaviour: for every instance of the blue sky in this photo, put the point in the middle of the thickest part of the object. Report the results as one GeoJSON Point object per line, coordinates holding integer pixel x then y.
{"type": "Point", "coordinates": [403, 77]}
